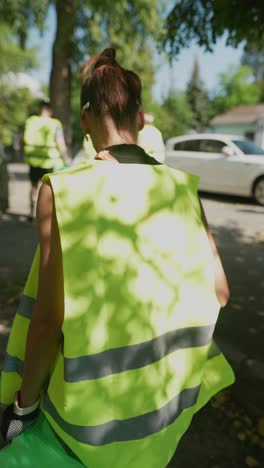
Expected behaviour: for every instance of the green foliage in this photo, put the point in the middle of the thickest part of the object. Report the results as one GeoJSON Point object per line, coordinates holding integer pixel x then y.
{"type": "Point", "coordinates": [15, 102]}
{"type": "Point", "coordinates": [126, 25]}
{"type": "Point", "coordinates": [205, 21]}
{"type": "Point", "coordinates": [85, 27]}
{"type": "Point", "coordinates": [197, 98]}
{"type": "Point", "coordinates": [173, 117]}
{"type": "Point", "coordinates": [12, 57]}
{"type": "Point", "coordinates": [20, 15]}
{"type": "Point", "coordinates": [235, 88]}
{"type": "Point", "coordinates": [120, 23]}
{"type": "Point", "coordinates": [15, 106]}
{"type": "Point", "coordinates": [253, 57]}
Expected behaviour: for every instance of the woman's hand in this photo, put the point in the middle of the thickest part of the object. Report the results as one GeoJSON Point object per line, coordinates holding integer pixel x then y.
{"type": "Point", "coordinates": [13, 424]}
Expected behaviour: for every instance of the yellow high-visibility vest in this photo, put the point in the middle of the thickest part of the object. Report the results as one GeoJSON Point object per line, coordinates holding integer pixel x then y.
{"type": "Point", "coordinates": [40, 147]}
{"type": "Point", "coordinates": [137, 359]}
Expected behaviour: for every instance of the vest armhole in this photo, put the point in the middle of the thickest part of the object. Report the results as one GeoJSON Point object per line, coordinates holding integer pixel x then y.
{"type": "Point", "coordinates": [194, 183]}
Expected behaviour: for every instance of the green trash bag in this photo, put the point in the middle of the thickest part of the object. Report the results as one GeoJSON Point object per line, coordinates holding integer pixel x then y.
{"type": "Point", "coordinates": [37, 447]}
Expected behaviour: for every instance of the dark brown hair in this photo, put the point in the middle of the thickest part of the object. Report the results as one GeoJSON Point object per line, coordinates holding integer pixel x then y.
{"type": "Point", "coordinates": [44, 104]}
{"type": "Point", "coordinates": [109, 89]}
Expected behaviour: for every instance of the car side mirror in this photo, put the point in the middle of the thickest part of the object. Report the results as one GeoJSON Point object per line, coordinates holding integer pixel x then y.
{"type": "Point", "coordinates": [227, 151]}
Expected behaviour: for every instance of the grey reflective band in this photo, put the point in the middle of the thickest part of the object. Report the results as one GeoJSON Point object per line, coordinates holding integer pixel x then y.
{"type": "Point", "coordinates": [13, 364]}
{"type": "Point", "coordinates": [39, 146]}
{"type": "Point", "coordinates": [26, 306]}
{"type": "Point", "coordinates": [134, 428]}
{"type": "Point", "coordinates": [116, 360]}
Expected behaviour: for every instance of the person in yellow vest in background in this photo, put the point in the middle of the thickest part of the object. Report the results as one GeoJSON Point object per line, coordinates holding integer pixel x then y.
{"type": "Point", "coordinates": [111, 350]}
{"type": "Point", "coordinates": [151, 140]}
{"type": "Point", "coordinates": [44, 148]}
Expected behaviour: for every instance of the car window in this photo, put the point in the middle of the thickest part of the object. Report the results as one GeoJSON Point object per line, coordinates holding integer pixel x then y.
{"type": "Point", "coordinates": [179, 146]}
{"type": "Point", "coordinates": [212, 146]}
{"type": "Point", "coordinates": [248, 147]}
{"type": "Point", "coordinates": [187, 145]}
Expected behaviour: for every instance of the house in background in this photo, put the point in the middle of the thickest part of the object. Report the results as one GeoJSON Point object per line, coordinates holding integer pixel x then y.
{"type": "Point", "coordinates": [245, 120]}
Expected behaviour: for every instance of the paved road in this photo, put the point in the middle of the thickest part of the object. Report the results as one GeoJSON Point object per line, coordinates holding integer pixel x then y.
{"type": "Point", "coordinates": [17, 236]}
{"type": "Point", "coordinates": [238, 226]}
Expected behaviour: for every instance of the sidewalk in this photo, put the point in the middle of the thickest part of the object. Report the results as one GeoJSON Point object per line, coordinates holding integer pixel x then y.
{"type": "Point", "coordinates": [18, 237]}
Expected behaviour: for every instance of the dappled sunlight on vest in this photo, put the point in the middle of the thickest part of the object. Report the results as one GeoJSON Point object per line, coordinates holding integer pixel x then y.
{"type": "Point", "coordinates": [140, 312]}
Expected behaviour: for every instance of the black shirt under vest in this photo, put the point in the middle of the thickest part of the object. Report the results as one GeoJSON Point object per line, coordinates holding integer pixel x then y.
{"type": "Point", "coordinates": [131, 154]}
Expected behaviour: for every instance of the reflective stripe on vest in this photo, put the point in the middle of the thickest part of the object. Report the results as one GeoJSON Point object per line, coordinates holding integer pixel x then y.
{"type": "Point", "coordinates": [140, 309]}
{"type": "Point", "coordinates": [123, 359]}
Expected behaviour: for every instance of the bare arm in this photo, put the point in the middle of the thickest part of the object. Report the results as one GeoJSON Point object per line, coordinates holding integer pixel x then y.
{"type": "Point", "coordinates": [221, 284]}
{"type": "Point", "coordinates": [45, 328]}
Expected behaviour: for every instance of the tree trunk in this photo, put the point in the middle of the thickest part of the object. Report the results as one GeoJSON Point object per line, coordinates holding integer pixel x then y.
{"type": "Point", "coordinates": [62, 57]}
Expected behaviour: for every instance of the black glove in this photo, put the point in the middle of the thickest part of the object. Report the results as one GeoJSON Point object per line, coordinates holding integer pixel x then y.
{"type": "Point", "coordinates": [13, 425]}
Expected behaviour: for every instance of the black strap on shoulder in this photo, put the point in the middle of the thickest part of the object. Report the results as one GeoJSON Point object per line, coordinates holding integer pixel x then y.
{"type": "Point", "coordinates": [131, 154]}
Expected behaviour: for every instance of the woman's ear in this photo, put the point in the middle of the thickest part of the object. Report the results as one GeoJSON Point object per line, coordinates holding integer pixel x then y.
{"type": "Point", "coordinates": [140, 119]}
{"type": "Point", "coordinates": [84, 122]}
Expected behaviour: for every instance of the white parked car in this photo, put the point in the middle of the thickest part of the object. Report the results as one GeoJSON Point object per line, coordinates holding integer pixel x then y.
{"type": "Point", "coordinates": [225, 163]}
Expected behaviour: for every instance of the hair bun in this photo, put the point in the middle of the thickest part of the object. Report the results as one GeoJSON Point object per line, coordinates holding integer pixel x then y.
{"type": "Point", "coordinates": [107, 57]}
{"type": "Point", "coordinates": [110, 53]}
{"type": "Point", "coordinates": [109, 89]}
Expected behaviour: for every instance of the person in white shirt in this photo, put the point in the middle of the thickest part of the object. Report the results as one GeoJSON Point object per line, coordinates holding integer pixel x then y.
{"type": "Point", "coordinates": [150, 139]}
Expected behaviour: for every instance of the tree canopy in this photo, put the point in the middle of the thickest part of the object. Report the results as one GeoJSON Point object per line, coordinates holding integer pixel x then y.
{"type": "Point", "coordinates": [235, 88]}
{"type": "Point", "coordinates": [205, 21]}
{"type": "Point", "coordinates": [173, 116]}
{"type": "Point", "coordinates": [197, 98]}
{"type": "Point", "coordinates": [254, 58]}
{"type": "Point", "coordinates": [21, 14]}
{"type": "Point", "coordinates": [12, 113]}
{"type": "Point", "coordinates": [12, 56]}
{"type": "Point", "coordinates": [85, 27]}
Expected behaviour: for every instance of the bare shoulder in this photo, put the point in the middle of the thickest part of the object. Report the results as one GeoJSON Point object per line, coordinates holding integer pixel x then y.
{"type": "Point", "coordinates": [45, 202]}
{"type": "Point", "coordinates": [50, 306]}
{"type": "Point", "coordinates": [45, 214]}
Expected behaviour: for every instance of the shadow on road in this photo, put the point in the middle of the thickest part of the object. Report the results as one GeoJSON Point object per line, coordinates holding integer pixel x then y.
{"type": "Point", "coordinates": [246, 210]}
{"type": "Point", "coordinates": [228, 198]}
{"type": "Point", "coordinates": [241, 322]}
{"type": "Point", "coordinates": [18, 242]}
{"type": "Point", "coordinates": [240, 327]}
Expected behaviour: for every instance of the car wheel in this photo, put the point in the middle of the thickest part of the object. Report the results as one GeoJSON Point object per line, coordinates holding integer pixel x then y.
{"type": "Point", "coordinates": [258, 191]}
